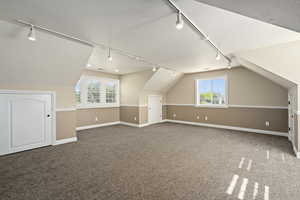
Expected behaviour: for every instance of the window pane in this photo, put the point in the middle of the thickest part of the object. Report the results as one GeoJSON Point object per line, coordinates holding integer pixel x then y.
{"type": "Point", "coordinates": [77, 93]}
{"type": "Point", "coordinates": [111, 92]}
{"type": "Point", "coordinates": [93, 91]}
{"type": "Point", "coordinates": [204, 92]}
{"type": "Point", "coordinates": [218, 91]}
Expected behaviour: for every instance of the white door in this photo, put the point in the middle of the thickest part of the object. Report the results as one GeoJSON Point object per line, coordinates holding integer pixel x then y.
{"type": "Point", "coordinates": [154, 109]}
{"type": "Point", "coordinates": [25, 122]}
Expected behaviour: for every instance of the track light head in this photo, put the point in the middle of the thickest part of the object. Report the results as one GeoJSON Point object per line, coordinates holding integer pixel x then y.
{"type": "Point", "coordinates": [229, 65]}
{"type": "Point", "coordinates": [109, 55]}
{"type": "Point", "coordinates": [179, 21]}
{"type": "Point", "coordinates": [154, 69]}
{"type": "Point", "coordinates": [218, 56]}
{"type": "Point", "coordinates": [31, 34]}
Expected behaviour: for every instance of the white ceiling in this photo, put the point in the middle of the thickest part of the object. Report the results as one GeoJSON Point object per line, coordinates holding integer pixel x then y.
{"type": "Point", "coordinates": [49, 61]}
{"type": "Point", "coordinates": [146, 28]}
{"type": "Point", "coordinates": [284, 13]}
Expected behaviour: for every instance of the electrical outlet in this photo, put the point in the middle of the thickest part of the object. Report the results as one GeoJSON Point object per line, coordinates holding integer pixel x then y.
{"type": "Point", "coordinates": [134, 118]}
{"type": "Point", "coordinates": [96, 119]}
{"type": "Point", "coordinates": [267, 123]}
{"type": "Point", "coordinates": [198, 117]}
{"type": "Point", "coordinates": [174, 115]}
{"type": "Point", "coordinates": [206, 118]}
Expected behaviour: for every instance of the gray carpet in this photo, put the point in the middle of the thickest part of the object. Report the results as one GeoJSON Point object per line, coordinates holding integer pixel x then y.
{"type": "Point", "coordinates": [164, 161]}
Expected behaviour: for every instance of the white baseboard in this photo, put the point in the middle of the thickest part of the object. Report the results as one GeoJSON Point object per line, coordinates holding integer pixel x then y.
{"type": "Point", "coordinates": [231, 128]}
{"type": "Point", "coordinates": [64, 141]}
{"type": "Point", "coordinates": [296, 152]}
{"type": "Point", "coordinates": [97, 126]}
{"type": "Point", "coordinates": [130, 124]}
{"type": "Point", "coordinates": [140, 125]}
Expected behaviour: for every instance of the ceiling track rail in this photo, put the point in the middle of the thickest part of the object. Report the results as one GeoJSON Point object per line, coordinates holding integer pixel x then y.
{"type": "Point", "coordinates": [203, 35]}
{"type": "Point", "coordinates": [90, 43]}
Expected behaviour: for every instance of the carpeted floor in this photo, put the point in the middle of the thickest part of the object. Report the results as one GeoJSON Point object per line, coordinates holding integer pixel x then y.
{"type": "Point", "coordinates": [164, 161]}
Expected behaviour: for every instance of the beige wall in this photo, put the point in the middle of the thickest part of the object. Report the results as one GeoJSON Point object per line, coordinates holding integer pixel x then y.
{"type": "Point", "coordinates": [143, 114]}
{"type": "Point", "coordinates": [130, 114]}
{"type": "Point", "coordinates": [65, 124]}
{"type": "Point", "coordinates": [244, 88]}
{"type": "Point", "coordinates": [92, 116]}
{"type": "Point", "coordinates": [254, 118]}
{"type": "Point", "coordinates": [132, 85]}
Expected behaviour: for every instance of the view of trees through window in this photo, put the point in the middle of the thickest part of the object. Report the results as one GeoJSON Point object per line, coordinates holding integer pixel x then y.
{"type": "Point", "coordinates": [93, 95]}
{"type": "Point", "coordinates": [212, 91]}
{"type": "Point", "coordinates": [77, 93]}
{"type": "Point", "coordinates": [110, 92]}
{"type": "Point", "coordinates": [90, 91]}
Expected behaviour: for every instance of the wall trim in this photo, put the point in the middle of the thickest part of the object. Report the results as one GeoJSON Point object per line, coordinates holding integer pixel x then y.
{"type": "Point", "coordinates": [130, 124]}
{"type": "Point", "coordinates": [64, 141]}
{"type": "Point", "coordinates": [65, 109]}
{"type": "Point", "coordinates": [250, 106]}
{"type": "Point", "coordinates": [79, 107]}
{"type": "Point", "coordinates": [232, 105]}
{"type": "Point", "coordinates": [97, 125]}
{"type": "Point", "coordinates": [277, 133]}
{"type": "Point", "coordinates": [133, 105]}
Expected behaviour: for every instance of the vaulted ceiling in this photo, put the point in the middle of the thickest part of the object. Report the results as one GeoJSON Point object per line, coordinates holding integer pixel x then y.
{"type": "Point", "coordinates": [146, 28]}
{"type": "Point", "coordinates": [284, 13]}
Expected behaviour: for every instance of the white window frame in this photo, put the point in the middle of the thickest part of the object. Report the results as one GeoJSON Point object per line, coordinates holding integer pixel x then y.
{"type": "Point", "coordinates": [197, 97]}
{"type": "Point", "coordinates": [83, 84]}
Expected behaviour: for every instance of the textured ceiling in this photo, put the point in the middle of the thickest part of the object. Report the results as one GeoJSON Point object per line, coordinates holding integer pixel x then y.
{"type": "Point", "coordinates": [146, 28]}
{"type": "Point", "coordinates": [284, 13]}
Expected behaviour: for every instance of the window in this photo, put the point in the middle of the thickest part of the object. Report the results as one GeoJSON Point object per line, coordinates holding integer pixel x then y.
{"type": "Point", "coordinates": [110, 92]}
{"type": "Point", "coordinates": [77, 93]}
{"type": "Point", "coordinates": [93, 91]}
{"type": "Point", "coordinates": [211, 92]}
{"type": "Point", "coordinates": [97, 92]}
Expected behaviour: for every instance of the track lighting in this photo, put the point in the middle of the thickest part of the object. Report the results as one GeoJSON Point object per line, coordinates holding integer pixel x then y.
{"type": "Point", "coordinates": [229, 65]}
{"type": "Point", "coordinates": [179, 21]}
{"type": "Point", "coordinates": [154, 69]}
{"type": "Point", "coordinates": [218, 56]}
{"type": "Point", "coordinates": [31, 34]}
{"type": "Point", "coordinates": [109, 55]}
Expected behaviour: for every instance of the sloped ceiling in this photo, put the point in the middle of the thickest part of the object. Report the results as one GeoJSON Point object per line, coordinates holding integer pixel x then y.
{"type": "Point", "coordinates": [282, 60]}
{"type": "Point", "coordinates": [48, 61]}
{"type": "Point", "coordinates": [268, 74]}
{"type": "Point", "coordinates": [162, 80]}
{"type": "Point", "coordinates": [147, 29]}
{"type": "Point", "coordinates": [284, 13]}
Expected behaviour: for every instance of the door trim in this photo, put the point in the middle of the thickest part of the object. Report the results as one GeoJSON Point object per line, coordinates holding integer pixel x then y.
{"type": "Point", "coordinates": [53, 106]}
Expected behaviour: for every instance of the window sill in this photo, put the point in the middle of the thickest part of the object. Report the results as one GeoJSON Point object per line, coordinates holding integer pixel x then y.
{"type": "Point", "coordinates": [87, 106]}
{"type": "Point", "coordinates": [211, 106]}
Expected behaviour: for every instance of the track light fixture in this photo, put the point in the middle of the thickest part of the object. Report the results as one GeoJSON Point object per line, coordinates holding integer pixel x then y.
{"type": "Point", "coordinates": [229, 65]}
{"type": "Point", "coordinates": [218, 56]}
{"type": "Point", "coordinates": [109, 55]}
{"type": "Point", "coordinates": [179, 21]}
{"type": "Point", "coordinates": [154, 69]}
{"type": "Point", "coordinates": [31, 34]}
